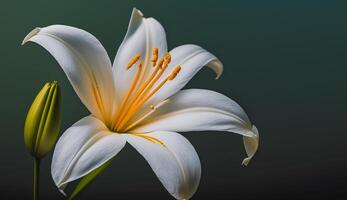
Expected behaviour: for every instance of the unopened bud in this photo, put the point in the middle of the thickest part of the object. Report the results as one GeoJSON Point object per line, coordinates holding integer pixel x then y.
{"type": "Point", "coordinates": [42, 124]}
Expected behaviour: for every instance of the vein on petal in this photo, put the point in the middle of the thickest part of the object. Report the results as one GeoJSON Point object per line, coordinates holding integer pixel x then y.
{"type": "Point", "coordinates": [86, 69]}
{"type": "Point", "coordinates": [77, 155]}
{"type": "Point", "coordinates": [150, 138]}
{"type": "Point", "coordinates": [188, 110]}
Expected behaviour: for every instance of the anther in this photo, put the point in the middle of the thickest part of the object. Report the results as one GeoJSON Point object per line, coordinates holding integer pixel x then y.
{"type": "Point", "coordinates": [140, 65]}
{"type": "Point", "coordinates": [160, 63]}
{"type": "Point", "coordinates": [174, 72]}
{"type": "Point", "coordinates": [168, 57]}
{"type": "Point", "coordinates": [167, 60]}
{"type": "Point", "coordinates": [155, 56]}
{"type": "Point", "coordinates": [155, 51]}
{"type": "Point", "coordinates": [133, 61]}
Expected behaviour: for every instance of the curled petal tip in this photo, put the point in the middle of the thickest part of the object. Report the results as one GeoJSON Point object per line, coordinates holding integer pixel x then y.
{"type": "Point", "coordinates": [251, 145]}
{"type": "Point", "coordinates": [245, 161]}
{"type": "Point", "coordinates": [30, 35]}
{"type": "Point", "coordinates": [62, 191]}
{"type": "Point", "coordinates": [61, 187]}
{"type": "Point", "coordinates": [137, 11]}
{"type": "Point", "coordinates": [218, 76]}
{"type": "Point", "coordinates": [217, 67]}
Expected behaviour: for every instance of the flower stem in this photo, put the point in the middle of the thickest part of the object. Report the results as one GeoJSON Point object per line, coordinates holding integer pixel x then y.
{"type": "Point", "coordinates": [36, 179]}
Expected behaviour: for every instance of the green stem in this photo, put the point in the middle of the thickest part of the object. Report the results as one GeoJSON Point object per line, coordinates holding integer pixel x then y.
{"type": "Point", "coordinates": [36, 180]}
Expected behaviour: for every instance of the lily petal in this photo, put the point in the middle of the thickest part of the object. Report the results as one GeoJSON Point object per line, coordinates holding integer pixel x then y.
{"type": "Point", "coordinates": [173, 159]}
{"type": "Point", "coordinates": [191, 58]}
{"type": "Point", "coordinates": [83, 147]}
{"type": "Point", "coordinates": [84, 61]}
{"type": "Point", "coordinates": [203, 110]}
{"type": "Point", "coordinates": [142, 36]}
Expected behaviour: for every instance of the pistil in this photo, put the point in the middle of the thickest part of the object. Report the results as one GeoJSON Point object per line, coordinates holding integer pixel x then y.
{"type": "Point", "coordinates": [152, 110]}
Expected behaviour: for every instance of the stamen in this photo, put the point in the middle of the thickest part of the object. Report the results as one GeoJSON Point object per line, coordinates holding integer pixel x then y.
{"type": "Point", "coordinates": [134, 101]}
{"type": "Point", "coordinates": [133, 61]}
{"type": "Point", "coordinates": [151, 81]}
{"type": "Point", "coordinates": [150, 78]}
{"type": "Point", "coordinates": [143, 90]}
{"type": "Point", "coordinates": [147, 65]}
{"type": "Point", "coordinates": [139, 91]}
{"type": "Point", "coordinates": [141, 101]}
{"type": "Point", "coordinates": [172, 75]}
{"type": "Point", "coordinates": [133, 85]}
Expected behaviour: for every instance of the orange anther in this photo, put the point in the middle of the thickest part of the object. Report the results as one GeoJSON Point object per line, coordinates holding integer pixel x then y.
{"type": "Point", "coordinates": [133, 61]}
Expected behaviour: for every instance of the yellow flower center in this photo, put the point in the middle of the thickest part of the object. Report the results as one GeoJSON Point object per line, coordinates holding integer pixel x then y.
{"type": "Point", "coordinates": [141, 90]}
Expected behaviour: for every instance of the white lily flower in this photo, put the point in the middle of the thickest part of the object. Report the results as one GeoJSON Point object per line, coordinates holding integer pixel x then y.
{"type": "Point", "coordinates": [139, 101]}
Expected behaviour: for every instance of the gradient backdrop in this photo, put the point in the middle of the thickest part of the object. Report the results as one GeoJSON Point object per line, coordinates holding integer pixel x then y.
{"type": "Point", "coordinates": [285, 63]}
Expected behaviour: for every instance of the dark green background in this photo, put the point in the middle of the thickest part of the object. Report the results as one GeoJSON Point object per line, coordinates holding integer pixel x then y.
{"type": "Point", "coordinates": [285, 63]}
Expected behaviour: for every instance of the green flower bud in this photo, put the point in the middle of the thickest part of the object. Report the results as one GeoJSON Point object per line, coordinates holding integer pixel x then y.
{"type": "Point", "coordinates": [42, 124]}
